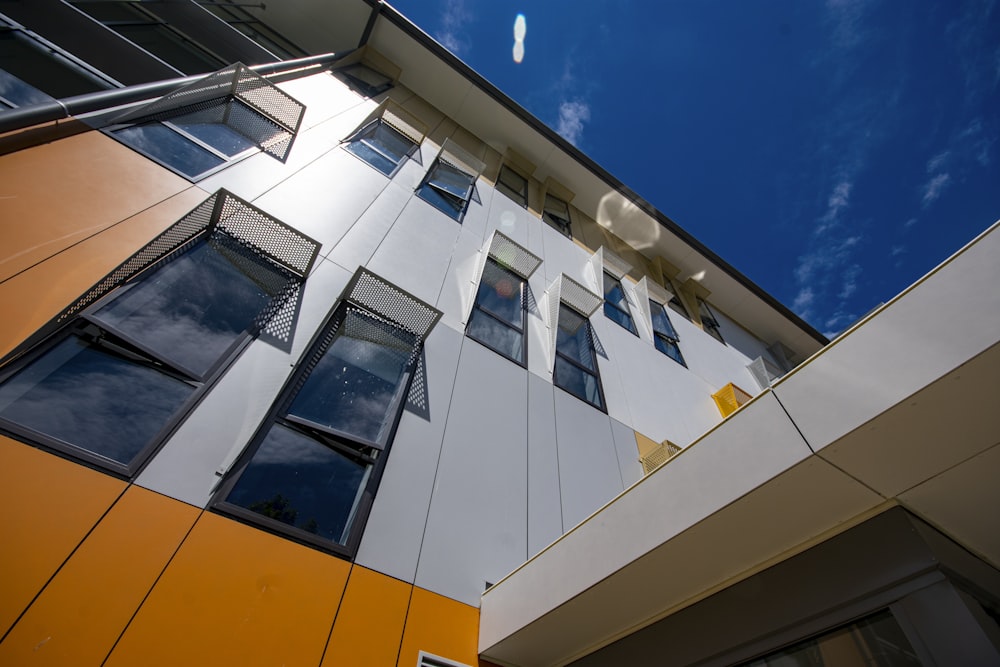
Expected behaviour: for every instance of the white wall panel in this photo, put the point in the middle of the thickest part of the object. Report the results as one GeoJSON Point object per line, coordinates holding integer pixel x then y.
{"type": "Point", "coordinates": [507, 217]}
{"type": "Point", "coordinates": [628, 453]}
{"type": "Point", "coordinates": [324, 96]}
{"type": "Point", "coordinates": [227, 418]}
{"type": "Point", "coordinates": [476, 527]}
{"type": "Point", "coordinates": [458, 291]}
{"type": "Point", "coordinates": [588, 465]}
{"type": "Point", "coordinates": [395, 528]}
{"type": "Point", "coordinates": [544, 503]}
{"type": "Point", "coordinates": [616, 342]}
{"type": "Point", "coordinates": [416, 252]}
{"type": "Point", "coordinates": [360, 242]}
{"type": "Point", "coordinates": [739, 338]}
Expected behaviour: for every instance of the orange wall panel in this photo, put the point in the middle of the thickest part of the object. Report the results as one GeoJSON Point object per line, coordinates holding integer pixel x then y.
{"type": "Point", "coordinates": [235, 595]}
{"type": "Point", "coordinates": [59, 193]}
{"type": "Point", "coordinates": [440, 626]}
{"type": "Point", "coordinates": [49, 506]}
{"type": "Point", "coordinates": [32, 298]}
{"type": "Point", "coordinates": [83, 610]}
{"type": "Point", "coordinates": [370, 621]}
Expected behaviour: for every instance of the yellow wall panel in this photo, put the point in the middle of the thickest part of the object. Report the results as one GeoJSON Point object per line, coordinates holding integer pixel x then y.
{"type": "Point", "coordinates": [85, 607]}
{"type": "Point", "coordinates": [59, 193]}
{"type": "Point", "coordinates": [235, 595]}
{"type": "Point", "coordinates": [370, 621]}
{"type": "Point", "coordinates": [49, 505]}
{"type": "Point", "coordinates": [440, 626]}
{"type": "Point", "coordinates": [32, 298]}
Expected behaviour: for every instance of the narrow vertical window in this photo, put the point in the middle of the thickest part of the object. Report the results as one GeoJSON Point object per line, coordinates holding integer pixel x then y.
{"type": "Point", "coordinates": [556, 213]}
{"type": "Point", "coordinates": [514, 185]}
{"type": "Point", "coordinates": [576, 362]}
{"type": "Point", "coordinates": [498, 316]}
{"type": "Point", "coordinates": [709, 322]}
{"type": "Point", "coordinates": [616, 304]}
{"type": "Point", "coordinates": [665, 338]}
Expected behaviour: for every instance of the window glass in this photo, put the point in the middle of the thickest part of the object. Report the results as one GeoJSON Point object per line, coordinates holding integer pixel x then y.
{"type": "Point", "coordinates": [665, 338]}
{"type": "Point", "coordinates": [381, 146]}
{"type": "Point", "coordinates": [576, 366]}
{"type": "Point", "coordinates": [194, 308]}
{"type": "Point", "coordinates": [353, 385]}
{"type": "Point", "coordinates": [216, 134]}
{"type": "Point", "coordinates": [28, 69]}
{"type": "Point", "coordinates": [498, 316]}
{"type": "Point", "coordinates": [91, 396]}
{"type": "Point", "coordinates": [366, 80]}
{"type": "Point", "coordinates": [615, 303]}
{"type": "Point", "coordinates": [675, 305]}
{"type": "Point", "coordinates": [556, 213]}
{"type": "Point", "coordinates": [169, 147]}
{"type": "Point", "coordinates": [298, 481]}
{"type": "Point", "coordinates": [447, 188]}
{"type": "Point", "coordinates": [709, 322]}
{"type": "Point", "coordinates": [513, 185]}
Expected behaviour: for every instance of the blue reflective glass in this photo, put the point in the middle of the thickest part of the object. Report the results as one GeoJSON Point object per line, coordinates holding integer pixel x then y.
{"type": "Point", "coordinates": [163, 144]}
{"type": "Point", "coordinates": [303, 483]}
{"type": "Point", "coordinates": [19, 93]}
{"type": "Point", "coordinates": [219, 136]}
{"type": "Point", "coordinates": [448, 204]}
{"type": "Point", "coordinates": [192, 309]}
{"type": "Point", "coordinates": [82, 394]}
{"type": "Point", "coordinates": [573, 338]}
{"type": "Point", "coordinates": [577, 381]}
{"type": "Point", "coordinates": [451, 180]}
{"type": "Point", "coordinates": [501, 293]}
{"type": "Point", "coordinates": [670, 349]}
{"type": "Point", "coordinates": [621, 318]}
{"type": "Point", "coordinates": [381, 146]}
{"type": "Point", "coordinates": [351, 388]}
{"type": "Point", "coordinates": [496, 335]}
{"type": "Point", "coordinates": [661, 322]}
{"type": "Point", "coordinates": [372, 157]}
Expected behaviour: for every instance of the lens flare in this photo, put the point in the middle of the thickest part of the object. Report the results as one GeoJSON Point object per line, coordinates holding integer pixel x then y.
{"type": "Point", "coordinates": [520, 30]}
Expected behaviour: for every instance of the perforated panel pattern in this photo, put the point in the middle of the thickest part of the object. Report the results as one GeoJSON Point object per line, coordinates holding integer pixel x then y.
{"type": "Point", "coordinates": [512, 256]}
{"type": "Point", "coordinates": [614, 264]}
{"type": "Point", "coordinates": [385, 299]}
{"type": "Point", "coordinates": [578, 297]}
{"type": "Point", "coordinates": [403, 122]}
{"type": "Point", "coordinates": [642, 296]}
{"type": "Point", "coordinates": [658, 456]}
{"type": "Point", "coordinates": [238, 97]}
{"type": "Point", "coordinates": [458, 157]}
{"type": "Point", "coordinates": [283, 244]}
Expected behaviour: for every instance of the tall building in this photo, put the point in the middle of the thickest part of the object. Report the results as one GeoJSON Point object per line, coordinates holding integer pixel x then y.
{"type": "Point", "coordinates": [317, 349]}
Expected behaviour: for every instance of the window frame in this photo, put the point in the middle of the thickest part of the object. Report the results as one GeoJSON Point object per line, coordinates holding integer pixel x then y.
{"type": "Point", "coordinates": [499, 319]}
{"type": "Point", "coordinates": [519, 198]}
{"type": "Point", "coordinates": [627, 312]}
{"type": "Point", "coordinates": [371, 128]}
{"type": "Point", "coordinates": [563, 226]}
{"type": "Point", "coordinates": [710, 323]}
{"type": "Point", "coordinates": [595, 372]}
{"type": "Point", "coordinates": [359, 85]}
{"type": "Point", "coordinates": [670, 338]}
{"type": "Point", "coordinates": [119, 343]}
{"type": "Point", "coordinates": [427, 182]}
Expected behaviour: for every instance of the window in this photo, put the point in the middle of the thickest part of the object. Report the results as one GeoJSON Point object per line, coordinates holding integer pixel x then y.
{"type": "Point", "coordinates": [616, 304]}
{"type": "Point", "coordinates": [498, 316]}
{"type": "Point", "coordinates": [32, 72]}
{"type": "Point", "coordinates": [147, 31]}
{"type": "Point", "coordinates": [675, 305]}
{"type": "Point", "coordinates": [514, 185]}
{"type": "Point", "coordinates": [556, 213]}
{"type": "Point", "coordinates": [311, 470]}
{"type": "Point", "coordinates": [708, 321]}
{"type": "Point", "coordinates": [576, 363]}
{"type": "Point", "coordinates": [111, 384]}
{"type": "Point", "coordinates": [447, 188]}
{"type": "Point", "coordinates": [381, 146]}
{"type": "Point", "coordinates": [245, 22]}
{"type": "Point", "coordinates": [365, 80]}
{"type": "Point", "coordinates": [194, 131]}
{"type": "Point", "coordinates": [665, 338]}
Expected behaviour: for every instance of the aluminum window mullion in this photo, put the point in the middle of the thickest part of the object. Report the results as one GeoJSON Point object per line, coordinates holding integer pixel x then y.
{"type": "Point", "coordinates": [212, 149]}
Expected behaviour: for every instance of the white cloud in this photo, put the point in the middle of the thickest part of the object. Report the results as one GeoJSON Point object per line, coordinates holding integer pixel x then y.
{"type": "Point", "coordinates": [896, 251]}
{"type": "Point", "coordinates": [938, 161]}
{"type": "Point", "coordinates": [849, 285]}
{"type": "Point", "coordinates": [803, 301]}
{"type": "Point", "coordinates": [453, 22]}
{"type": "Point", "coordinates": [572, 115]}
{"type": "Point", "coordinates": [909, 223]}
{"type": "Point", "coordinates": [933, 189]}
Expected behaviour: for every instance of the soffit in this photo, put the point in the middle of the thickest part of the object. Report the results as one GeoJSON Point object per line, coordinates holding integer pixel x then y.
{"type": "Point", "coordinates": [316, 26]}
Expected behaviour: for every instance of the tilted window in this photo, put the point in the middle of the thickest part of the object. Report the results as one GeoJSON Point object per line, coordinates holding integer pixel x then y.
{"type": "Point", "coordinates": [498, 317]}
{"type": "Point", "coordinates": [365, 80]}
{"type": "Point", "coordinates": [576, 362]}
{"type": "Point", "coordinates": [665, 338]}
{"type": "Point", "coordinates": [616, 303]}
{"type": "Point", "coordinates": [109, 379]}
{"type": "Point", "coordinates": [311, 470]}
{"type": "Point", "coordinates": [223, 117]}
{"type": "Point", "coordinates": [514, 185]}
{"type": "Point", "coordinates": [675, 305]}
{"type": "Point", "coordinates": [381, 146]}
{"type": "Point", "coordinates": [447, 188]}
{"type": "Point", "coordinates": [556, 213]}
{"type": "Point", "coordinates": [709, 322]}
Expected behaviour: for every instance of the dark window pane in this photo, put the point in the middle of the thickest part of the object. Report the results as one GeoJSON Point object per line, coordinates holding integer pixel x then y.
{"type": "Point", "coordinates": [451, 180]}
{"type": "Point", "coordinates": [87, 396]}
{"type": "Point", "coordinates": [217, 135]}
{"type": "Point", "coordinates": [676, 306]}
{"type": "Point", "coordinates": [501, 293]}
{"type": "Point", "coordinates": [444, 202]}
{"type": "Point", "coordinates": [621, 318]}
{"type": "Point", "coordinates": [573, 337]}
{"type": "Point", "coordinates": [169, 147]}
{"type": "Point", "coordinates": [31, 64]}
{"type": "Point", "coordinates": [661, 322]}
{"type": "Point", "coordinates": [669, 348]}
{"type": "Point", "coordinates": [352, 386]}
{"type": "Point", "coordinates": [170, 47]}
{"type": "Point", "coordinates": [303, 483]}
{"type": "Point", "coordinates": [496, 335]}
{"type": "Point", "coordinates": [381, 146]}
{"type": "Point", "coordinates": [556, 213]}
{"type": "Point", "coordinates": [194, 308]}
{"type": "Point", "coordinates": [513, 185]}
{"type": "Point", "coordinates": [577, 382]}
{"type": "Point", "coordinates": [372, 157]}
{"type": "Point", "coordinates": [16, 93]}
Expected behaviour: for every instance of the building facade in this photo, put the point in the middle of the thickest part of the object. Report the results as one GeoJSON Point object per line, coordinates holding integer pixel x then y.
{"type": "Point", "coordinates": [319, 350]}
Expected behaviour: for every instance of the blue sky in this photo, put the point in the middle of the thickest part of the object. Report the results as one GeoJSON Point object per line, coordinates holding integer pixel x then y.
{"type": "Point", "coordinates": [834, 152]}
